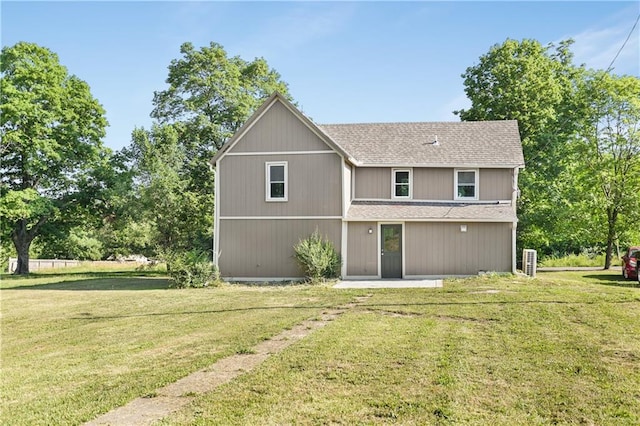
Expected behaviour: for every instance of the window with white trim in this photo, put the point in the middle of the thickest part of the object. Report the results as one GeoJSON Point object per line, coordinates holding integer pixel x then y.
{"type": "Point", "coordinates": [401, 183]}
{"type": "Point", "coordinates": [276, 180]}
{"type": "Point", "coordinates": [466, 185]}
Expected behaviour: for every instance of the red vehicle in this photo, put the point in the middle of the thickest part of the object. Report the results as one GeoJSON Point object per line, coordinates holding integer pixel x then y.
{"type": "Point", "coordinates": [630, 263]}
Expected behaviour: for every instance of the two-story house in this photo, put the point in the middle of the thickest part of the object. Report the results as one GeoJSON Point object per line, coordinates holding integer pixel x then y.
{"type": "Point", "coordinates": [398, 200]}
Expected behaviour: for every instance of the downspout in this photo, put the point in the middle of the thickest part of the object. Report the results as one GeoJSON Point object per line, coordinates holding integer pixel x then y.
{"type": "Point", "coordinates": [345, 208]}
{"type": "Point", "coordinates": [514, 225]}
{"type": "Point", "coordinates": [216, 215]}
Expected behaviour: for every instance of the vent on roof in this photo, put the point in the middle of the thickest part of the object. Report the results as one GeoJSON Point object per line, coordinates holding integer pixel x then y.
{"type": "Point", "coordinates": [435, 141]}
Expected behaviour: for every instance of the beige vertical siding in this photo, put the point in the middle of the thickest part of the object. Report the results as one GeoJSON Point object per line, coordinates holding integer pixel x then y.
{"type": "Point", "coordinates": [264, 248]}
{"type": "Point", "coordinates": [373, 183]}
{"type": "Point", "coordinates": [279, 130]}
{"type": "Point", "coordinates": [432, 183]}
{"type": "Point", "coordinates": [441, 249]}
{"type": "Point", "coordinates": [314, 186]}
{"type": "Point", "coordinates": [362, 252]}
{"type": "Point", "coordinates": [496, 184]}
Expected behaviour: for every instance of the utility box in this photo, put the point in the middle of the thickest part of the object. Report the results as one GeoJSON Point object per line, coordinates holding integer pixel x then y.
{"type": "Point", "coordinates": [529, 262]}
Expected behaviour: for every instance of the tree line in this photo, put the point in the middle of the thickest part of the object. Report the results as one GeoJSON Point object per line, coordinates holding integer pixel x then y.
{"type": "Point", "coordinates": [63, 194]}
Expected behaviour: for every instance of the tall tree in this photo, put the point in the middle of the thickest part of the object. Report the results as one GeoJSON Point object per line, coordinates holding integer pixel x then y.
{"type": "Point", "coordinates": [178, 219]}
{"type": "Point", "coordinates": [536, 85]}
{"type": "Point", "coordinates": [51, 128]}
{"type": "Point", "coordinates": [210, 95]}
{"type": "Point", "coordinates": [213, 94]}
{"type": "Point", "coordinates": [609, 150]}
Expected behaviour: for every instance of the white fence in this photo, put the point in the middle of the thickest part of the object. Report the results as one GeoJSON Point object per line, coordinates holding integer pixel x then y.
{"type": "Point", "coordinates": [37, 264]}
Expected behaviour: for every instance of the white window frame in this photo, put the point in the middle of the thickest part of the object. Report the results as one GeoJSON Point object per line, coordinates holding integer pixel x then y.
{"type": "Point", "coordinates": [268, 196]}
{"type": "Point", "coordinates": [476, 184]}
{"type": "Point", "coordinates": [393, 184]}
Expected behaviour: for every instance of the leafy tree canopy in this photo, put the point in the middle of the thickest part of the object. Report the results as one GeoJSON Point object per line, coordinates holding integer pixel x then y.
{"type": "Point", "coordinates": [524, 81]}
{"type": "Point", "coordinates": [213, 94]}
{"type": "Point", "coordinates": [51, 128]}
{"type": "Point", "coordinates": [608, 148]}
{"type": "Point", "coordinates": [579, 134]}
{"type": "Point", "coordinates": [210, 95]}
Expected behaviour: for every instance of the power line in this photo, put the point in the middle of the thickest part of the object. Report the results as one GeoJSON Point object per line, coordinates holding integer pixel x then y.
{"type": "Point", "coordinates": [623, 44]}
{"type": "Point", "coordinates": [544, 147]}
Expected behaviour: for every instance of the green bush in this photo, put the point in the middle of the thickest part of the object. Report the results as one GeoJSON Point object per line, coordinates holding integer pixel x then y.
{"type": "Point", "coordinates": [318, 257]}
{"type": "Point", "coordinates": [191, 269]}
{"type": "Point", "coordinates": [572, 259]}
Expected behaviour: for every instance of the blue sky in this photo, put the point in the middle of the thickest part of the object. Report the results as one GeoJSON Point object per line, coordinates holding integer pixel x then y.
{"type": "Point", "coordinates": [344, 61]}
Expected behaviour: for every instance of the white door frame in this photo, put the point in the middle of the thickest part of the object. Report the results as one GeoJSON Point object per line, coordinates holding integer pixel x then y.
{"type": "Point", "coordinates": [402, 255]}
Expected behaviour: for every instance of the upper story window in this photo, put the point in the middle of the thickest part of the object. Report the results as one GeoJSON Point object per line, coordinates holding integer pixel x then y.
{"type": "Point", "coordinates": [401, 185]}
{"type": "Point", "coordinates": [466, 185]}
{"type": "Point", "coordinates": [276, 179]}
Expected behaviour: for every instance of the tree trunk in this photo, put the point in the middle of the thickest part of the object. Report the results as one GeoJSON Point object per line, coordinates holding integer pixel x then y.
{"type": "Point", "coordinates": [612, 218]}
{"type": "Point", "coordinates": [22, 241]}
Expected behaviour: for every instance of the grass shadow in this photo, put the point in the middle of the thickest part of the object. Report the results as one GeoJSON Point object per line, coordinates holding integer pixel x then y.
{"type": "Point", "coordinates": [101, 284]}
{"type": "Point", "coordinates": [361, 308]}
{"type": "Point", "coordinates": [96, 274]}
{"type": "Point", "coordinates": [611, 280]}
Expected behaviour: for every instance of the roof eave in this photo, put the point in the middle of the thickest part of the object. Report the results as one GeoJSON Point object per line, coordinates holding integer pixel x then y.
{"type": "Point", "coordinates": [444, 165]}
{"type": "Point", "coordinates": [431, 219]}
{"type": "Point", "coordinates": [247, 124]}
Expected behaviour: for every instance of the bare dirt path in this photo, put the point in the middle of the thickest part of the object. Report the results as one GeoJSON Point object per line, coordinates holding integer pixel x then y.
{"type": "Point", "coordinates": [146, 411]}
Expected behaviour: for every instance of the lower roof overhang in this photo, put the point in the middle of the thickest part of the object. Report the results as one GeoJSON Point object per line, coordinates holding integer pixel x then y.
{"type": "Point", "coordinates": [380, 211]}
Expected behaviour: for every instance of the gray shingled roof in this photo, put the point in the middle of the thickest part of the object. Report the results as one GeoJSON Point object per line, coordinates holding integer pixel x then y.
{"type": "Point", "coordinates": [380, 210]}
{"type": "Point", "coordinates": [460, 144]}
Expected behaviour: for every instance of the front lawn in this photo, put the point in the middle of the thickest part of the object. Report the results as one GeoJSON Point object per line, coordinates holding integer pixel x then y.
{"type": "Point", "coordinates": [562, 348]}
{"type": "Point", "coordinates": [75, 345]}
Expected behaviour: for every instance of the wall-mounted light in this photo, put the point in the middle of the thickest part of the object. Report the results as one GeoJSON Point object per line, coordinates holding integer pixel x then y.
{"type": "Point", "coordinates": [463, 228]}
{"type": "Point", "coordinates": [370, 230]}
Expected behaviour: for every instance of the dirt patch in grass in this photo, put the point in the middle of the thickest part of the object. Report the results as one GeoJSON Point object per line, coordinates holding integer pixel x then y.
{"type": "Point", "coordinates": [463, 318]}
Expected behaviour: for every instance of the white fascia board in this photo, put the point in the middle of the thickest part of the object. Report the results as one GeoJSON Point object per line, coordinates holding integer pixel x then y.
{"type": "Point", "coordinates": [413, 200]}
{"type": "Point", "coordinates": [399, 220]}
{"type": "Point", "coordinates": [244, 131]}
{"type": "Point", "coordinates": [282, 218]}
{"type": "Point", "coordinates": [356, 162]}
{"type": "Point", "coordinates": [441, 166]}
{"type": "Point", "coordinates": [279, 153]}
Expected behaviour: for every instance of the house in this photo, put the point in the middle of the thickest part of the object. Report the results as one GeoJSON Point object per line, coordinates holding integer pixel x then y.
{"type": "Point", "coordinates": [398, 200]}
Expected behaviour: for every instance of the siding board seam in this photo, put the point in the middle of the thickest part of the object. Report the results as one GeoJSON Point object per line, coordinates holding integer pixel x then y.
{"type": "Point", "coordinates": [281, 217]}
{"type": "Point", "coordinates": [245, 154]}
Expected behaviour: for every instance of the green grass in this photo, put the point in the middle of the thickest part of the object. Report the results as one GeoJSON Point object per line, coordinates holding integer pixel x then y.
{"type": "Point", "coordinates": [78, 344]}
{"type": "Point", "coordinates": [561, 348]}
{"type": "Point", "coordinates": [576, 260]}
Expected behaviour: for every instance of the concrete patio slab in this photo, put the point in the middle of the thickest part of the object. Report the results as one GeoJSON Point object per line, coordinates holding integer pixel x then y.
{"type": "Point", "coordinates": [389, 284]}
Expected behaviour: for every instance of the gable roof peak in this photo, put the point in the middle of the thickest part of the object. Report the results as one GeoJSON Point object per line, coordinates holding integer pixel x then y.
{"type": "Point", "coordinates": [277, 97]}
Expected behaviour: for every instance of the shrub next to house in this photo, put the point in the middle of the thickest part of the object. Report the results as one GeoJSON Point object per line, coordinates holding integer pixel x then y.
{"type": "Point", "coordinates": [318, 257]}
